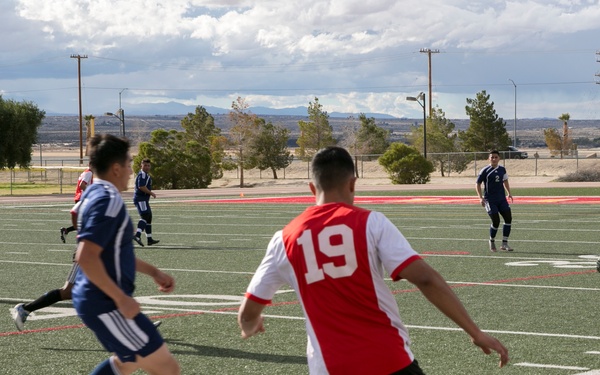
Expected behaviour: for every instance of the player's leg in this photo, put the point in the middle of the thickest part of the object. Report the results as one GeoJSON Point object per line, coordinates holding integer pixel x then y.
{"type": "Point", "coordinates": [64, 231]}
{"type": "Point", "coordinates": [492, 211]}
{"type": "Point", "coordinates": [136, 342]}
{"type": "Point", "coordinates": [507, 217]}
{"type": "Point", "coordinates": [151, 241]}
{"type": "Point", "coordinates": [158, 363]}
{"type": "Point", "coordinates": [142, 207]}
{"type": "Point", "coordinates": [22, 310]}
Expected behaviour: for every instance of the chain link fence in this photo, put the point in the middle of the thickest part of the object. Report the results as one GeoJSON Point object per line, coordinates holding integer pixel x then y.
{"type": "Point", "coordinates": [59, 176]}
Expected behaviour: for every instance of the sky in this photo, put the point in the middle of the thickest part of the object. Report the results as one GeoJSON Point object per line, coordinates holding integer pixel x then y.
{"type": "Point", "coordinates": [536, 58]}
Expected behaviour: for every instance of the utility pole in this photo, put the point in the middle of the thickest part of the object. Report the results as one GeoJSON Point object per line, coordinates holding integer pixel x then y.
{"type": "Point", "coordinates": [515, 125]}
{"type": "Point", "coordinates": [79, 57]}
{"type": "Point", "coordinates": [597, 60]}
{"type": "Point", "coordinates": [429, 51]}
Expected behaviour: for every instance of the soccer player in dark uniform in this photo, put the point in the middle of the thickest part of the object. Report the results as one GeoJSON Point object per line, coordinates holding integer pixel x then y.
{"type": "Point", "coordinates": [141, 199]}
{"type": "Point", "coordinates": [493, 197]}
{"type": "Point", "coordinates": [103, 291]}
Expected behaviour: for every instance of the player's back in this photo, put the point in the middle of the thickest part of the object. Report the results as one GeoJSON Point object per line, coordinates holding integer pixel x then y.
{"type": "Point", "coordinates": [103, 220]}
{"type": "Point", "coordinates": [352, 317]}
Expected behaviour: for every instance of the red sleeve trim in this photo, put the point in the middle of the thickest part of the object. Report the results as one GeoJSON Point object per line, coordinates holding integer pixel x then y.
{"type": "Point", "coordinates": [396, 274]}
{"type": "Point", "coordinates": [256, 299]}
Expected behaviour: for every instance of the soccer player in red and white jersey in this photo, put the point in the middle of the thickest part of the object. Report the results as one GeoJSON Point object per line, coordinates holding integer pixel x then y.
{"type": "Point", "coordinates": [85, 179]}
{"type": "Point", "coordinates": [335, 256]}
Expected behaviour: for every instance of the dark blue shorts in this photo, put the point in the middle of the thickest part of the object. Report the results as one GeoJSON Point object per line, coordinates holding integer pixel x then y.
{"type": "Point", "coordinates": [494, 207]}
{"type": "Point", "coordinates": [143, 207]}
{"type": "Point", "coordinates": [124, 337]}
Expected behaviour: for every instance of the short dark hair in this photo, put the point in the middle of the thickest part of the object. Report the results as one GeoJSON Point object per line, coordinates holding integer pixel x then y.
{"type": "Point", "coordinates": [494, 152]}
{"type": "Point", "coordinates": [146, 160]}
{"type": "Point", "coordinates": [331, 167]}
{"type": "Point", "coordinates": [105, 150]}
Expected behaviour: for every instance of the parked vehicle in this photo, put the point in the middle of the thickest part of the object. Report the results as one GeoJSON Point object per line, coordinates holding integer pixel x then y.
{"type": "Point", "coordinates": [513, 153]}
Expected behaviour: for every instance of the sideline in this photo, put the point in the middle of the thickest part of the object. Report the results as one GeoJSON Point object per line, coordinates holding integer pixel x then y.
{"type": "Point", "coordinates": [301, 187]}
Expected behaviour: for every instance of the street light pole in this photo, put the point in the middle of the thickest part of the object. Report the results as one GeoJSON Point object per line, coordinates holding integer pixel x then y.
{"type": "Point", "coordinates": [122, 114]}
{"type": "Point", "coordinates": [417, 99]}
{"type": "Point", "coordinates": [515, 126]}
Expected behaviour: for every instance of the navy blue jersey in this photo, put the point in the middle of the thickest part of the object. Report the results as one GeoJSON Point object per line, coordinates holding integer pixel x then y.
{"type": "Point", "coordinates": [142, 179]}
{"type": "Point", "coordinates": [493, 183]}
{"type": "Point", "coordinates": [103, 220]}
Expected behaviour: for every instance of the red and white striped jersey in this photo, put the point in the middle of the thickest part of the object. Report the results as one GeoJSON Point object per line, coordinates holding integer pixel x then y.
{"type": "Point", "coordinates": [335, 256]}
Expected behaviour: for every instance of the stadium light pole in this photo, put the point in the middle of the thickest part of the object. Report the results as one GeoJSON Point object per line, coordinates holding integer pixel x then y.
{"type": "Point", "coordinates": [515, 125]}
{"type": "Point", "coordinates": [418, 99]}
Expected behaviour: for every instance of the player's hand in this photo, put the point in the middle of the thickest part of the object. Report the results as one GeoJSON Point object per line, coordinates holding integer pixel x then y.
{"type": "Point", "coordinates": [482, 201]}
{"type": "Point", "coordinates": [488, 343]}
{"type": "Point", "coordinates": [166, 283]}
{"type": "Point", "coordinates": [510, 197]}
{"type": "Point", "coordinates": [128, 307]}
{"type": "Point", "coordinates": [250, 329]}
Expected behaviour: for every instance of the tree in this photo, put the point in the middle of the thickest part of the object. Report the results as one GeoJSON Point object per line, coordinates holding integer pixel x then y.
{"type": "Point", "coordinates": [189, 159]}
{"type": "Point", "coordinates": [200, 127]}
{"type": "Point", "coordinates": [486, 130]}
{"type": "Point", "coordinates": [442, 142]}
{"type": "Point", "coordinates": [567, 143]}
{"type": "Point", "coordinates": [245, 127]}
{"type": "Point", "coordinates": [406, 165]}
{"type": "Point", "coordinates": [88, 131]}
{"type": "Point", "coordinates": [559, 144]}
{"type": "Point", "coordinates": [316, 133]}
{"type": "Point", "coordinates": [553, 141]}
{"type": "Point", "coordinates": [177, 162]}
{"type": "Point", "coordinates": [19, 123]}
{"type": "Point", "coordinates": [268, 149]}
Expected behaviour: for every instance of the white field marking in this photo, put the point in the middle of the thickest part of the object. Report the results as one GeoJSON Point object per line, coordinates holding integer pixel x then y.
{"type": "Point", "coordinates": [36, 263]}
{"type": "Point", "coordinates": [592, 352]}
{"type": "Point", "coordinates": [17, 252]}
{"type": "Point", "coordinates": [59, 250]}
{"type": "Point", "coordinates": [539, 365]}
{"type": "Point", "coordinates": [511, 258]}
{"type": "Point", "coordinates": [146, 308]}
{"type": "Point", "coordinates": [519, 333]}
{"type": "Point", "coordinates": [524, 286]}
{"type": "Point", "coordinates": [207, 271]}
{"type": "Point", "coordinates": [593, 372]}
{"type": "Point", "coordinates": [484, 240]}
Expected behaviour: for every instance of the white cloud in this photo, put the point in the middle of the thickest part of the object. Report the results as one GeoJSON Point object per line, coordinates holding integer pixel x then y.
{"type": "Point", "coordinates": [355, 55]}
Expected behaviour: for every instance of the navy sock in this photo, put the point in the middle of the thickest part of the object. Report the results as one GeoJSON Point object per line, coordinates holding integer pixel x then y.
{"type": "Point", "coordinates": [50, 298]}
{"type": "Point", "coordinates": [104, 368]}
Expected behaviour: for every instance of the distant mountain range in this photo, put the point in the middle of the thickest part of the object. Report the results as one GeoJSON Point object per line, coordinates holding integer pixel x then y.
{"type": "Point", "coordinates": [178, 109]}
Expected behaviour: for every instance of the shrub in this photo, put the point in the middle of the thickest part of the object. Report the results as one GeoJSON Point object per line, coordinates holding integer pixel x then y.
{"type": "Point", "coordinates": [405, 165]}
{"type": "Point", "coordinates": [582, 175]}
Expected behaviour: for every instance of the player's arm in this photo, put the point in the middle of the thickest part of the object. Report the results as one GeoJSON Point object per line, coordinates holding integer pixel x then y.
{"type": "Point", "coordinates": [165, 282]}
{"type": "Point", "coordinates": [250, 319]}
{"type": "Point", "coordinates": [88, 258]}
{"type": "Point", "coordinates": [437, 291]}
{"type": "Point", "coordinates": [507, 188]}
{"type": "Point", "coordinates": [147, 191]}
{"type": "Point", "coordinates": [479, 193]}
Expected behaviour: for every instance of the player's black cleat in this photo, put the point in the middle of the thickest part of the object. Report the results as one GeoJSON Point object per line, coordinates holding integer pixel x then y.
{"type": "Point", "coordinates": [152, 242]}
{"type": "Point", "coordinates": [63, 233]}
{"type": "Point", "coordinates": [138, 240]}
{"type": "Point", "coordinates": [598, 265]}
{"type": "Point", "coordinates": [157, 323]}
